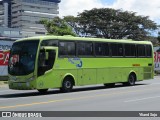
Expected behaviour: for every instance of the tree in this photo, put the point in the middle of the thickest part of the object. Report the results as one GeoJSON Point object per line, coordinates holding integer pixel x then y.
{"type": "Point", "coordinates": [57, 26]}
{"type": "Point", "coordinates": [73, 22]}
{"type": "Point", "coordinates": [111, 23]}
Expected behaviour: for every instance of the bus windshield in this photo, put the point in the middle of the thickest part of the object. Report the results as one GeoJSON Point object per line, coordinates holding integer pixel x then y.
{"type": "Point", "coordinates": [22, 57]}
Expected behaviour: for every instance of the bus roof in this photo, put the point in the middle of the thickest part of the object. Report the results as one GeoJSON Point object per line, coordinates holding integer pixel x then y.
{"type": "Point", "coordinates": [49, 37]}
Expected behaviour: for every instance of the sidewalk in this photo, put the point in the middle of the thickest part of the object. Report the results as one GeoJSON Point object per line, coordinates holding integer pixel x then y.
{"type": "Point", "coordinates": [3, 84]}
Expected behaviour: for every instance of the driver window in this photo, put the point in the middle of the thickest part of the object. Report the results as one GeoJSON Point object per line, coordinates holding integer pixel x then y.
{"type": "Point", "coordinates": [46, 64]}
{"type": "Point", "coordinates": [51, 58]}
{"type": "Point", "coordinates": [41, 61]}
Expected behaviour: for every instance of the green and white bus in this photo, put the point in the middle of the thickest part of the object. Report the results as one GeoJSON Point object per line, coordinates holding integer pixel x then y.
{"type": "Point", "coordinates": [64, 61]}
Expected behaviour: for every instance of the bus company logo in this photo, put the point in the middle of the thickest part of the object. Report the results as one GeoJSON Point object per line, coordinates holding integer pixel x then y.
{"type": "Point", "coordinates": [76, 61]}
{"type": "Point", "coordinates": [21, 114]}
{"type": "Point", "coordinates": [6, 114]}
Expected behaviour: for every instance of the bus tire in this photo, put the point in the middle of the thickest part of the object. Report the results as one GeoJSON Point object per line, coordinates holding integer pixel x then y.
{"type": "Point", "coordinates": [67, 85]}
{"type": "Point", "coordinates": [131, 80]}
{"type": "Point", "coordinates": [109, 85]}
{"type": "Point", "coordinates": [42, 91]}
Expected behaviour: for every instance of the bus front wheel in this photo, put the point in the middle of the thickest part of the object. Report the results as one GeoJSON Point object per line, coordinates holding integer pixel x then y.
{"type": "Point", "coordinates": [67, 85]}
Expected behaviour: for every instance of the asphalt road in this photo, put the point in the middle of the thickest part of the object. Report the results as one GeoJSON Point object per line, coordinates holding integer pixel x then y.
{"type": "Point", "coordinates": [144, 96]}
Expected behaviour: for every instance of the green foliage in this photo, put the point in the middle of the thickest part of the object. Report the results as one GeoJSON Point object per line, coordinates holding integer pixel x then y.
{"type": "Point", "coordinates": [103, 22]}
{"type": "Point", "coordinates": [111, 23]}
{"type": "Point", "coordinates": [57, 27]}
{"type": "Point", "coordinates": [73, 22]}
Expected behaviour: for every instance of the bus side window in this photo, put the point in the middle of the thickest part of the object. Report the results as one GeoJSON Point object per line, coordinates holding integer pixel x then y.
{"type": "Point", "coordinates": [120, 49]}
{"type": "Point", "coordinates": [101, 49]}
{"type": "Point", "coordinates": [148, 51]}
{"type": "Point", "coordinates": [117, 49]}
{"type": "Point", "coordinates": [85, 48]}
{"type": "Point", "coordinates": [130, 50]}
{"type": "Point", "coordinates": [141, 50]}
{"type": "Point", "coordinates": [67, 48]}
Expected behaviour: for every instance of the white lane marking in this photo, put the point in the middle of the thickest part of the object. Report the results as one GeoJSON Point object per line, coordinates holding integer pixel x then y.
{"type": "Point", "coordinates": [142, 99]}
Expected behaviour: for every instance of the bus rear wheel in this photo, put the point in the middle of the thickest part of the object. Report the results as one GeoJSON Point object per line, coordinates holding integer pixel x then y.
{"type": "Point", "coordinates": [67, 85]}
{"type": "Point", "coordinates": [42, 91]}
{"type": "Point", "coordinates": [131, 80]}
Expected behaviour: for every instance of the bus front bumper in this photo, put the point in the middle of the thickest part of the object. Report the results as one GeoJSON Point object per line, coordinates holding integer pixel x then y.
{"type": "Point", "coordinates": [21, 85]}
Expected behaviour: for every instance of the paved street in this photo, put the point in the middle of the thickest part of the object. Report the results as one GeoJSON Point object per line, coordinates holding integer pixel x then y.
{"type": "Point", "coordinates": [144, 96]}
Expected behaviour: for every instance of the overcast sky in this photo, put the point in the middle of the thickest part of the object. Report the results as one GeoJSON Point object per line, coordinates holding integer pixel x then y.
{"type": "Point", "coordinates": [149, 8]}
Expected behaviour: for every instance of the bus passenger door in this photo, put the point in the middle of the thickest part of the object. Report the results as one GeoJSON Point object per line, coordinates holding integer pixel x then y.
{"type": "Point", "coordinates": [46, 61]}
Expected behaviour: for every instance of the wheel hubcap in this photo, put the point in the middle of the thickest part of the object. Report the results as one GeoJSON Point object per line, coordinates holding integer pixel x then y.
{"type": "Point", "coordinates": [131, 79]}
{"type": "Point", "coordinates": [68, 84]}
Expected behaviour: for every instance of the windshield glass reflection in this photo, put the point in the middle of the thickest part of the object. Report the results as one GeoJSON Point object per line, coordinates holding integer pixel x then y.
{"type": "Point", "coordinates": [22, 57]}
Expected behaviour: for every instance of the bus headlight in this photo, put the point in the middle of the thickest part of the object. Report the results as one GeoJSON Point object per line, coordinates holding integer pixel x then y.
{"type": "Point", "coordinates": [27, 84]}
{"type": "Point", "coordinates": [30, 79]}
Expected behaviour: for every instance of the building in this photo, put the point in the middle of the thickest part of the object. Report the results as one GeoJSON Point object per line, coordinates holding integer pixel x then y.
{"type": "Point", "coordinates": [5, 13]}
{"type": "Point", "coordinates": [25, 15]}
{"type": "Point", "coordinates": [11, 32]}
